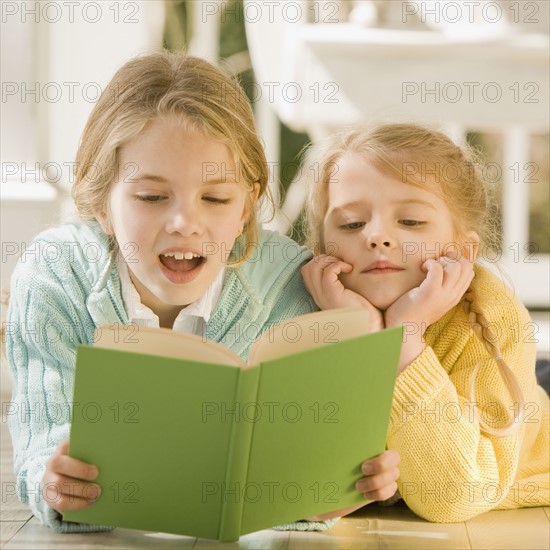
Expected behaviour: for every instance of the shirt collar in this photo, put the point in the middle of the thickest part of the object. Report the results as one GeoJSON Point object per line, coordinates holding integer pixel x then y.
{"type": "Point", "coordinates": [137, 311]}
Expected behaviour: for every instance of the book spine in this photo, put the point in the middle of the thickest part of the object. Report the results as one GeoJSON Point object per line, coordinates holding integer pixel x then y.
{"type": "Point", "coordinates": [238, 455]}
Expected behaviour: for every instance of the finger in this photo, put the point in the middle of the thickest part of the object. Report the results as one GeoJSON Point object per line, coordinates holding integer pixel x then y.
{"type": "Point", "coordinates": [433, 282]}
{"type": "Point", "coordinates": [452, 271]}
{"type": "Point", "coordinates": [466, 276]}
{"type": "Point", "coordinates": [72, 467]}
{"type": "Point", "coordinates": [382, 494]}
{"type": "Point", "coordinates": [453, 253]}
{"type": "Point", "coordinates": [325, 259]}
{"type": "Point", "coordinates": [63, 448]}
{"type": "Point", "coordinates": [312, 275]}
{"type": "Point", "coordinates": [379, 481]}
{"type": "Point", "coordinates": [331, 286]}
{"type": "Point", "coordinates": [307, 272]}
{"type": "Point", "coordinates": [333, 269]}
{"type": "Point", "coordinates": [314, 269]}
{"type": "Point", "coordinates": [312, 272]}
{"type": "Point", "coordinates": [64, 504]}
{"type": "Point", "coordinates": [56, 485]}
{"type": "Point", "coordinates": [458, 276]}
{"type": "Point", "coordinates": [387, 460]}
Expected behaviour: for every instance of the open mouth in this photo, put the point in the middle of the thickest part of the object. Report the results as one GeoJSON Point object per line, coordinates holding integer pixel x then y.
{"type": "Point", "coordinates": [181, 262]}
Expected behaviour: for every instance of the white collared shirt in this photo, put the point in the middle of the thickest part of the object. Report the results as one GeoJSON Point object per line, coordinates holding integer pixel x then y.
{"type": "Point", "coordinates": [191, 319]}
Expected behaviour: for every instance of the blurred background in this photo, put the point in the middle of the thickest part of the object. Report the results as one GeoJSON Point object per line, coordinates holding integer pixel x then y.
{"type": "Point", "coordinates": [479, 70]}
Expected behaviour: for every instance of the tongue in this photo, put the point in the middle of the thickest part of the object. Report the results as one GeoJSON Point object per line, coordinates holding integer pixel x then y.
{"type": "Point", "coordinates": [179, 265]}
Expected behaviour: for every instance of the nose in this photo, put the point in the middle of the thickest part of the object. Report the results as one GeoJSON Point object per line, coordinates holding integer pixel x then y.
{"type": "Point", "coordinates": [183, 219]}
{"type": "Point", "coordinates": [379, 236]}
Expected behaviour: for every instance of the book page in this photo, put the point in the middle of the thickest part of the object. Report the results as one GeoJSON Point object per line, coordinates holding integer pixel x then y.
{"type": "Point", "coordinates": [165, 343]}
{"type": "Point", "coordinates": [309, 331]}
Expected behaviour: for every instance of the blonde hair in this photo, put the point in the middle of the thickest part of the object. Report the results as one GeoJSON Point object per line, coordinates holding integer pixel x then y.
{"type": "Point", "coordinates": [429, 159]}
{"type": "Point", "coordinates": [170, 86]}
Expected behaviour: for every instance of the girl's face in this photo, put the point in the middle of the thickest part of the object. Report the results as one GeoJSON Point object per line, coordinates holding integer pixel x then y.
{"type": "Point", "coordinates": [175, 210]}
{"type": "Point", "coordinates": [385, 229]}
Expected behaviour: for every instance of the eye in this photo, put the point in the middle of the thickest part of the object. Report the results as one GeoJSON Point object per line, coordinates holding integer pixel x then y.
{"type": "Point", "coordinates": [216, 200]}
{"type": "Point", "coordinates": [353, 225]}
{"type": "Point", "coordinates": [150, 198]}
{"type": "Point", "coordinates": [411, 223]}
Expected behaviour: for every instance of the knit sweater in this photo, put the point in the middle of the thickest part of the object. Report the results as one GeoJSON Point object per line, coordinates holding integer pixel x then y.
{"type": "Point", "coordinates": [450, 469]}
{"type": "Point", "coordinates": [66, 285]}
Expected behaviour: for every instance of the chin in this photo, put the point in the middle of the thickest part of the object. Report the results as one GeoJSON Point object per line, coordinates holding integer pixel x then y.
{"type": "Point", "coordinates": [381, 304]}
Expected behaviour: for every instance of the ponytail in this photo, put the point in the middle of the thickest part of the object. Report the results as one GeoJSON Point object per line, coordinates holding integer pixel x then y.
{"type": "Point", "coordinates": [483, 331]}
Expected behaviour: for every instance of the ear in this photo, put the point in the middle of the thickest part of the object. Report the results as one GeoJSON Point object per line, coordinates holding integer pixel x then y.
{"type": "Point", "coordinates": [104, 222]}
{"type": "Point", "coordinates": [470, 245]}
{"type": "Point", "coordinates": [253, 197]}
{"type": "Point", "coordinates": [255, 193]}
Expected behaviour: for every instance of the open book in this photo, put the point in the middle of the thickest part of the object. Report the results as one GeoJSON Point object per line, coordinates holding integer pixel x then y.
{"type": "Point", "coordinates": [190, 439]}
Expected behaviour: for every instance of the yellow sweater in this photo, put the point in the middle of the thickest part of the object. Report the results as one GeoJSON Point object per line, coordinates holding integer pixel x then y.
{"type": "Point", "coordinates": [450, 469]}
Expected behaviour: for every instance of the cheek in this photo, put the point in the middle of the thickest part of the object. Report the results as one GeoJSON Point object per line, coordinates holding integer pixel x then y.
{"type": "Point", "coordinates": [348, 247]}
{"type": "Point", "coordinates": [129, 228]}
{"type": "Point", "coordinates": [132, 231]}
{"type": "Point", "coordinates": [227, 225]}
{"type": "Point", "coordinates": [332, 244]}
{"type": "Point", "coordinates": [413, 264]}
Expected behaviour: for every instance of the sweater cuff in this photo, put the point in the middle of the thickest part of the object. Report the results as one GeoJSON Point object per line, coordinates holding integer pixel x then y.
{"type": "Point", "coordinates": [55, 521]}
{"type": "Point", "coordinates": [419, 383]}
{"type": "Point", "coordinates": [304, 525]}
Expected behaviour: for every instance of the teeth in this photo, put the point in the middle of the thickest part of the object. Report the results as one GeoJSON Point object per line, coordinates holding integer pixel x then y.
{"type": "Point", "coordinates": [182, 255]}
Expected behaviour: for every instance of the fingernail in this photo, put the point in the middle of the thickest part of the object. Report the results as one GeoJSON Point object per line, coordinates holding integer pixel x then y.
{"type": "Point", "coordinates": [92, 473]}
{"type": "Point", "coordinates": [93, 492]}
{"type": "Point", "coordinates": [367, 468]}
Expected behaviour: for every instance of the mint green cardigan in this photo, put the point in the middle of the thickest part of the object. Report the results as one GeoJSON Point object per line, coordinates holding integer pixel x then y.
{"type": "Point", "coordinates": [66, 285]}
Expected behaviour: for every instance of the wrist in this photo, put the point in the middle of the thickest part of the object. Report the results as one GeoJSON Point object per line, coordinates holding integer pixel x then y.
{"type": "Point", "coordinates": [413, 346]}
{"type": "Point", "coordinates": [390, 321]}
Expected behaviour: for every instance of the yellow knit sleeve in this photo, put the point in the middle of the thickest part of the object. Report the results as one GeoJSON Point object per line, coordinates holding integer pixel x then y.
{"type": "Point", "coordinates": [450, 469]}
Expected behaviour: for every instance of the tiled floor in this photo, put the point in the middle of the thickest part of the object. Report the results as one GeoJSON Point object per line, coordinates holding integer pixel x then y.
{"type": "Point", "coordinates": [371, 528]}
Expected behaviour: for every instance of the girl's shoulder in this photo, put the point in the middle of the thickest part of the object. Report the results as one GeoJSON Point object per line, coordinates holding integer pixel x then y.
{"type": "Point", "coordinates": [73, 250]}
{"type": "Point", "coordinates": [274, 263]}
{"type": "Point", "coordinates": [74, 235]}
{"type": "Point", "coordinates": [496, 295]}
{"type": "Point", "coordinates": [274, 254]}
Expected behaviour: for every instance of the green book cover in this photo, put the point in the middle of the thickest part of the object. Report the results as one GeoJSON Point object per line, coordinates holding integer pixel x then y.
{"type": "Point", "coordinates": [189, 439]}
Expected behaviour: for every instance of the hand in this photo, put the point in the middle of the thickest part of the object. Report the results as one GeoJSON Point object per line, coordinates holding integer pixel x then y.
{"type": "Point", "coordinates": [381, 474]}
{"type": "Point", "coordinates": [63, 485]}
{"type": "Point", "coordinates": [379, 483]}
{"type": "Point", "coordinates": [446, 282]}
{"type": "Point", "coordinates": [321, 278]}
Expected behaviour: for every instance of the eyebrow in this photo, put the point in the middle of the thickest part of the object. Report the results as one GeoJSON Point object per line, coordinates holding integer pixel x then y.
{"type": "Point", "coordinates": [151, 177]}
{"type": "Point", "coordinates": [161, 179]}
{"type": "Point", "coordinates": [420, 202]}
{"type": "Point", "coordinates": [354, 204]}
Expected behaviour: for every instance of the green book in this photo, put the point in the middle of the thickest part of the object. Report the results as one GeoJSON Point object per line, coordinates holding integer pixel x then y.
{"type": "Point", "coordinates": [190, 439]}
